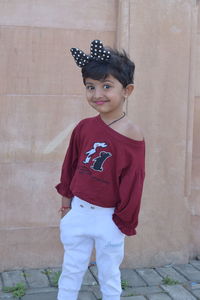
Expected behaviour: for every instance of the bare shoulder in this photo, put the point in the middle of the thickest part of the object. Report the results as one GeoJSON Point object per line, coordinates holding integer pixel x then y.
{"type": "Point", "coordinates": [134, 132]}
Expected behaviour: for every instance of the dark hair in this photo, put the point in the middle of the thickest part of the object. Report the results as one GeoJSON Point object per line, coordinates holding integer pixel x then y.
{"type": "Point", "coordinates": [119, 66]}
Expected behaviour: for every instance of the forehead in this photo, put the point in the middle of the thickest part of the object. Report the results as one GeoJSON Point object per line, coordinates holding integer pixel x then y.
{"type": "Point", "coordinates": [108, 78]}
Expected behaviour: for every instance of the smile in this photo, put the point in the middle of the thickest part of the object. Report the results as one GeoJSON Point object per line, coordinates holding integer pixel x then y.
{"type": "Point", "coordinates": [100, 102]}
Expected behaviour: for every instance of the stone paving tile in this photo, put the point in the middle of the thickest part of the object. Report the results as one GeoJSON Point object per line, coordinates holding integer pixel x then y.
{"type": "Point", "coordinates": [191, 286]}
{"type": "Point", "coordinates": [39, 281]}
{"type": "Point", "coordinates": [195, 286]}
{"type": "Point", "coordinates": [172, 273]}
{"type": "Point", "coordinates": [94, 271]}
{"type": "Point", "coordinates": [83, 295]}
{"type": "Point", "coordinates": [161, 296]}
{"type": "Point", "coordinates": [178, 292]}
{"type": "Point", "coordinates": [133, 298]}
{"type": "Point", "coordinates": [11, 278]}
{"type": "Point", "coordinates": [146, 290]}
{"type": "Point", "coordinates": [41, 290]}
{"type": "Point", "coordinates": [4, 296]}
{"type": "Point", "coordinates": [132, 278]}
{"type": "Point", "coordinates": [189, 272]}
{"type": "Point", "coordinates": [86, 296]}
{"type": "Point", "coordinates": [150, 276]}
{"type": "Point", "coordinates": [1, 283]}
{"type": "Point", "coordinates": [195, 263]}
{"type": "Point", "coordinates": [88, 279]}
{"type": "Point", "coordinates": [94, 289]}
{"type": "Point", "coordinates": [196, 293]}
{"type": "Point", "coordinates": [41, 296]}
{"type": "Point", "coordinates": [36, 278]}
{"type": "Point", "coordinates": [53, 274]}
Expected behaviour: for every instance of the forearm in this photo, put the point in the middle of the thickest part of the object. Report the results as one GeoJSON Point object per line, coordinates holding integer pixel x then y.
{"type": "Point", "coordinates": [65, 206]}
{"type": "Point", "coordinates": [66, 202]}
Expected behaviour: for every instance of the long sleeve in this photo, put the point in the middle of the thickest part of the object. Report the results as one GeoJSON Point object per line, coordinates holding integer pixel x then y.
{"type": "Point", "coordinates": [130, 190]}
{"type": "Point", "coordinates": [69, 166]}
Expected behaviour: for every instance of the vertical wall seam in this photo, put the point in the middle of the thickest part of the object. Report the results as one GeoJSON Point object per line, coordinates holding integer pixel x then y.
{"type": "Point", "coordinates": [190, 105]}
{"type": "Point", "coordinates": [123, 25]}
{"type": "Point", "coordinates": [123, 29]}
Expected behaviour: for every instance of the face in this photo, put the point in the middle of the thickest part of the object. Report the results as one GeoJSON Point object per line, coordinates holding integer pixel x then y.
{"type": "Point", "coordinates": [106, 96]}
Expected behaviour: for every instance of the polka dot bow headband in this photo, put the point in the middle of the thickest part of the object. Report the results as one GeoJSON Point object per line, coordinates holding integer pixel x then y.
{"type": "Point", "coordinates": [97, 52]}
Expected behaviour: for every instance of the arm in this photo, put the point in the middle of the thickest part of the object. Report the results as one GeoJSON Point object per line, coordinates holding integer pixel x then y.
{"type": "Point", "coordinates": [130, 191]}
{"type": "Point", "coordinates": [127, 211]}
{"type": "Point", "coordinates": [65, 206]}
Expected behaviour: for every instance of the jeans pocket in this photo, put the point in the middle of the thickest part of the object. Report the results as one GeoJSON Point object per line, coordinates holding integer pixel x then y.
{"type": "Point", "coordinates": [66, 217]}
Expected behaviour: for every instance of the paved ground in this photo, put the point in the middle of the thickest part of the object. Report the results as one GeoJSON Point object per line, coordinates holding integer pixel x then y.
{"type": "Point", "coordinates": [138, 284]}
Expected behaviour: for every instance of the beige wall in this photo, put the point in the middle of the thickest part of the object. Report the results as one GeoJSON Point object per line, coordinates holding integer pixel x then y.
{"type": "Point", "coordinates": [161, 43]}
{"type": "Point", "coordinates": [195, 192]}
{"type": "Point", "coordinates": [42, 97]}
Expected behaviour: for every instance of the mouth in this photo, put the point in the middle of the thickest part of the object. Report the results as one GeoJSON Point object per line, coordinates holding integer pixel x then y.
{"type": "Point", "coordinates": [100, 102]}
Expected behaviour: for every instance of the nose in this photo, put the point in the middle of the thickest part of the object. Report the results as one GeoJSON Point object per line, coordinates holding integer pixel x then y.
{"type": "Point", "coordinates": [98, 93]}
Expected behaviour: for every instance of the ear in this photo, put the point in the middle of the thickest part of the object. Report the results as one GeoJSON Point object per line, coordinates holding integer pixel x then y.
{"type": "Point", "coordinates": [128, 90]}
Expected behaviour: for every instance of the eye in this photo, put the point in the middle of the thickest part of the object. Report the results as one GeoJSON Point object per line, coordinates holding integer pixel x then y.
{"type": "Point", "coordinates": [89, 87]}
{"type": "Point", "coordinates": [106, 86]}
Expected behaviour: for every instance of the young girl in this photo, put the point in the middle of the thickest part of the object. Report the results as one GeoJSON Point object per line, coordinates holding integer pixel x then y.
{"type": "Point", "coordinates": [102, 175]}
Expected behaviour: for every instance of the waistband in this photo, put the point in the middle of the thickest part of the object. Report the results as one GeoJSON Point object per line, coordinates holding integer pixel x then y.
{"type": "Point", "coordinates": [84, 205]}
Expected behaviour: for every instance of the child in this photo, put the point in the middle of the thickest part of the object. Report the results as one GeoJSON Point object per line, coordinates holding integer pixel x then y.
{"type": "Point", "coordinates": [102, 175]}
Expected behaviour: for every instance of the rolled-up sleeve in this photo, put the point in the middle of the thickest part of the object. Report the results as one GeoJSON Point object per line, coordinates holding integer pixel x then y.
{"type": "Point", "coordinates": [130, 190]}
{"type": "Point", "coordinates": [69, 166]}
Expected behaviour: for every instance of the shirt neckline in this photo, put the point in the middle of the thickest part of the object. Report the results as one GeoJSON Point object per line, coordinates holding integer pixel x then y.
{"type": "Point", "coordinates": [118, 135]}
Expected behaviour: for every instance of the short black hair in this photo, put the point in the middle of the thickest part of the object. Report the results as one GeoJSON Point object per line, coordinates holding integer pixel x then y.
{"type": "Point", "coordinates": [119, 66]}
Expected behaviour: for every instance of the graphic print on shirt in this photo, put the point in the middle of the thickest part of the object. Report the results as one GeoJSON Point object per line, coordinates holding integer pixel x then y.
{"type": "Point", "coordinates": [98, 160]}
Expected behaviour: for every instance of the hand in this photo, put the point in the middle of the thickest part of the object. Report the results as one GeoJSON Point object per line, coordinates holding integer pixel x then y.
{"type": "Point", "coordinates": [64, 212]}
{"type": "Point", "coordinates": [65, 206]}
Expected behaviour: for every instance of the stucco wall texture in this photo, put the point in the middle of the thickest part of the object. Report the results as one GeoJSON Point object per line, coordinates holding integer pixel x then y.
{"type": "Point", "coordinates": [42, 98]}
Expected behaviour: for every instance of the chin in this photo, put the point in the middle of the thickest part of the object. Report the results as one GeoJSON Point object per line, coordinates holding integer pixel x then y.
{"type": "Point", "coordinates": [99, 109]}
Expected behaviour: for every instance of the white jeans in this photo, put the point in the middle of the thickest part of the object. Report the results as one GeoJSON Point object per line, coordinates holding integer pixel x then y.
{"type": "Point", "coordinates": [84, 226]}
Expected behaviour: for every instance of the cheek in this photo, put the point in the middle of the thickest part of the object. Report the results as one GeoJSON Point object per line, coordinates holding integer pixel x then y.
{"type": "Point", "coordinates": [87, 94]}
{"type": "Point", "coordinates": [88, 97]}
